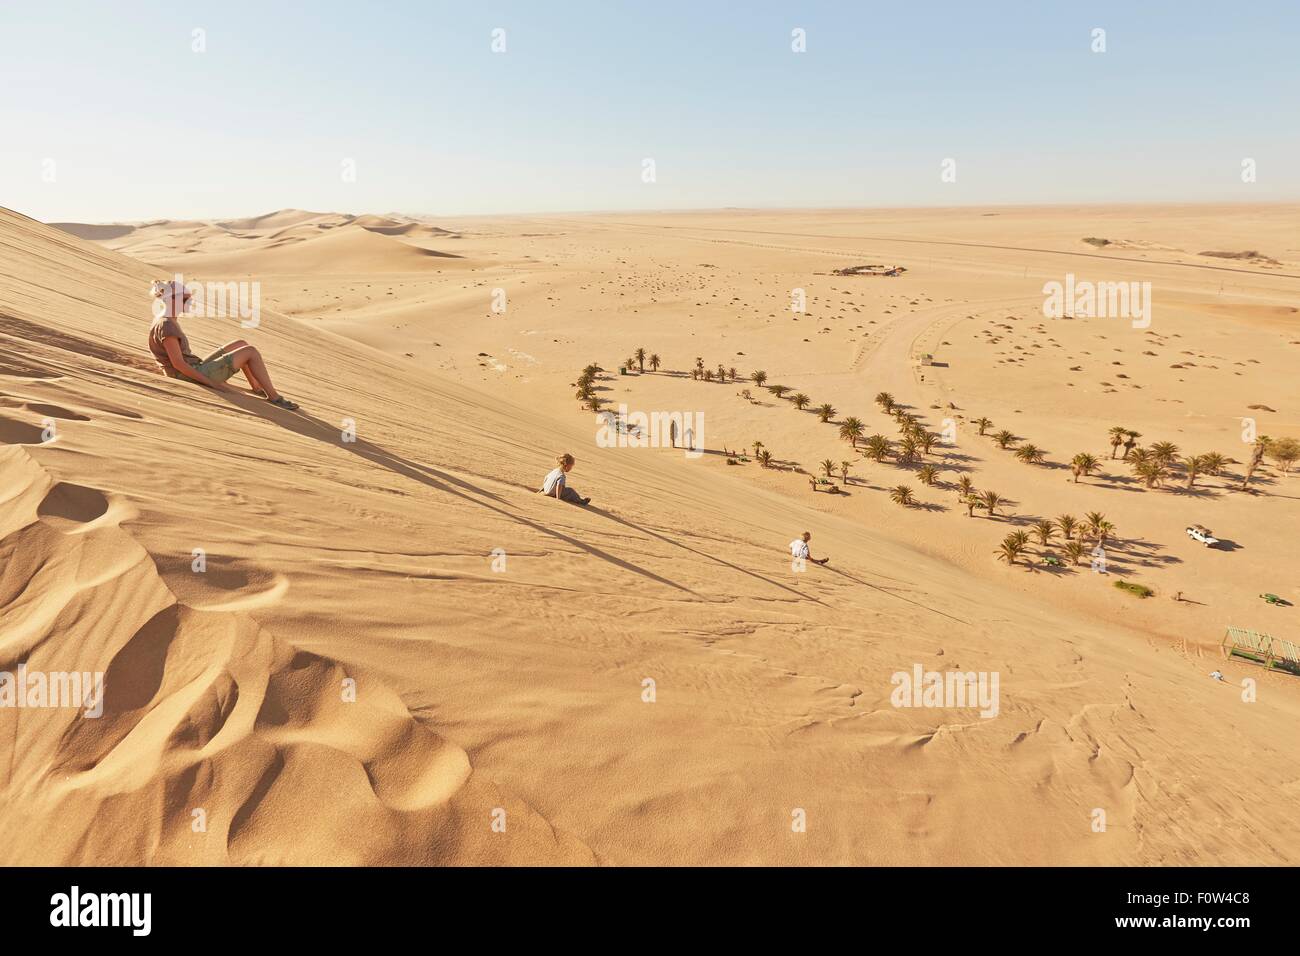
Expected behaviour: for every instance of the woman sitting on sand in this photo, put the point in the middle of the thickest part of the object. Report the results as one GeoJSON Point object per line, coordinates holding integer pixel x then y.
{"type": "Point", "coordinates": [171, 350]}
{"type": "Point", "coordinates": [556, 484]}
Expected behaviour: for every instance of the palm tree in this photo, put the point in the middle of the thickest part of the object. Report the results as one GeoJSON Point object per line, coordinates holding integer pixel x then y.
{"type": "Point", "coordinates": [927, 475]}
{"type": "Point", "coordinates": [825, 412]}
{"type": "Point", "coordinates": [758, 378]}
{"type": "Point", "coordinates": [1083, 464]}
{"type": "Point", "coordinates": [1004, 438]}
{"type": "Point", "coordinates": [927, 440]}
{"type": "Point", "coordinates": [1030, 454]}
{"type": "Point", "coordinates": [593, 402]}
{"type": "Point", "coordinates": [758, 445]}
{"type": "Point", "coordinates": [965, 487]}
{"type": "Point", "coordinates": [1067, 524]}
{"type": "Point", "coordinates": [1104, 530]}
{"type": "Point", "coordinates": [1214, 463]}
{"type": "Point", "coordinates": [778, 390]}
{"type": "Point", "coordinates": [1010, 549]}
{"type": "Point", "coordinates": [983, 424]}
{"type": "Point", "coordinates": [844, 471]}
{"type": "Point", "coordinates": [732, 373]}
{"type": "Point", "coordinates": [640, 359]}
{"type": "Point", "coordinates": [828, 467]}
{"type": "Point", "coordinates": [1130, 439]}
{"type": "Point", "coordinates": [800, 400]}
{"type": "Point", "coordinates": [654, 363]}
{"type": "Point", "coordinates": [851, 431]}
{"type": "Point", "coordinates": [764, 458]}
{"type": "Point", "coordinates": [1093, 522]}
{"type": "Point", "coordinates": [971, 501]}
{"type": "Point", "coordinates": [1137, 458]}
{"type": "Point", "coordinates": [990, 500]}
{"type": "Point", "coordinates": [901, 495]}
{"type": "Point", "coordinates": [1257, 455]}
{"type": "Point", "coordinates": [708, 375]}
{"type": "Point", "coordinates": [908, 448]}
{"type": "Point", "coordinates": [1117, 435]}
{"type": "Point", "coordinates": [885, 401]}
{"type": "Point", "coordinates": [1165, 452]}
{"type": "Point", "coordinates": [1152, 471]}
{"type": "Point", "coordinates": [1194, 465]}
{"type": "Point", "coordinates": [1044, 529]}
{"type": "Point", "coordinates": [1075, 550]}
{"type": "Point", "coordinates": [878, 447]}
{"type": "Point", "coordinates": [1285, 452]}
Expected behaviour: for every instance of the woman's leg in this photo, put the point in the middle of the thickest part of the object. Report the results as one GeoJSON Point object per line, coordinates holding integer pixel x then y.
{"type": "Point", "coordinates": [249, 361]}
{"type": "Point", "coordinates": [229, 347]}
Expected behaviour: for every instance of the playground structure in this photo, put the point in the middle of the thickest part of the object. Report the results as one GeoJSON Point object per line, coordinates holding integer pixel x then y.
{"type": "Point", "coordinates": [1263, 649]}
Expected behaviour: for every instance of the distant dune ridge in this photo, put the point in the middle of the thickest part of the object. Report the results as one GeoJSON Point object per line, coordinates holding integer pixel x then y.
{"type": "Point", "coordinates": [396, 652]}
{"type": "Point", "coordinates": [260, 244]}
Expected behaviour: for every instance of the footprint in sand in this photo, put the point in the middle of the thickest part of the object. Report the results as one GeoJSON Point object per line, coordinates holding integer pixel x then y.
{"type": "Point", "coordinates": [16, 368]}
{"type": "Point", "coordinates": [225, 584]}
{"type": "Point", "coordinates": [54, 411]}
{"type": "Point", "coordinates": [66, 502]}
{"type": "Point", "coordinates": [20, 433]}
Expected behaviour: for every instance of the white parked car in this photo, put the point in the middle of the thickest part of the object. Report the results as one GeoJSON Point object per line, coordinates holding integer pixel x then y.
{"type": "Point", "coordinates": [1198, 533]}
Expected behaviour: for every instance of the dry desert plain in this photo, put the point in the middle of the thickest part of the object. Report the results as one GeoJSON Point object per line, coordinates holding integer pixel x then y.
{"type": "Point", "coordinates": [501, 644]}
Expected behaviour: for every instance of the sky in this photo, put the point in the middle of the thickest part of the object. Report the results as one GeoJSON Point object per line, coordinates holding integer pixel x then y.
{"type": "Point", "coordinates": [136, 110]}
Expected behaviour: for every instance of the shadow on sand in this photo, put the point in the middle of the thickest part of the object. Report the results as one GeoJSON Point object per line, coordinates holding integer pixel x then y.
{"type": "Point", "coordinates": [302, 423]}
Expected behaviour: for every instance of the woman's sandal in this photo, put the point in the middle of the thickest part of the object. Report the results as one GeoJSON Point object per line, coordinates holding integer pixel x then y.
{"type": "Point", "coordinates": [284, 403]}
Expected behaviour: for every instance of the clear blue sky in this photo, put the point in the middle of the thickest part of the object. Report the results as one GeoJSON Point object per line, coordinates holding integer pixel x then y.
{"type": "Point", "coordinates": [139, 126]}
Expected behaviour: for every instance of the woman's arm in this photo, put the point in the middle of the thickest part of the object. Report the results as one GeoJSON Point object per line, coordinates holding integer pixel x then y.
{"type": "Point", "coordinates": [177, 358]}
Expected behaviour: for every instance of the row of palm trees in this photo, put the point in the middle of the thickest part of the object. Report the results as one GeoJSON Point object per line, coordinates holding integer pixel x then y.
{"type": "Point", "coordinates": [640, 359]}
{"type": "Point", "coordinates": [799, 400]}
{"type": "Point", "coordinates": [1075, 535]}
{"type": "Point", "coordinates": [1154, 465]}
{"type": "Point", "coordinates": [723, 374]}
{"type": "Point", "coordinates": [586, 385]}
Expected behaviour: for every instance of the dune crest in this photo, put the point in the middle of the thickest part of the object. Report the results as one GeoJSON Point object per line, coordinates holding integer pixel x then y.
{"type": "Point", "coordinates": [242, 749]}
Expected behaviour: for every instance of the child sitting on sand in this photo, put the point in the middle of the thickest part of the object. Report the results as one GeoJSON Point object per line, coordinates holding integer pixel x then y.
{"type": "Point", "coordinates": [556, 484]}
{"type": "Point", "coordinates": [799, 549]}
{"type": "Point", "coordinates": [171, 349]}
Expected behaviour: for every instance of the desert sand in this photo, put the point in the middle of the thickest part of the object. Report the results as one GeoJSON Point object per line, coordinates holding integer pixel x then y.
{"type": "Point", "coordinates": [399, 653]}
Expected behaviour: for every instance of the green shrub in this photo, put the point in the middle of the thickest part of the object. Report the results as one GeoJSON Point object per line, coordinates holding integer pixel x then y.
{"type": "Point", "coordinates": [1141, 590]}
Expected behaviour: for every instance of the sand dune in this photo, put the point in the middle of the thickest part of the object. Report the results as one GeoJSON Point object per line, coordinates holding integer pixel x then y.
{"type": "Point", "coordinates": [282, 219]}
{"type": "Point", "coordinates": [520, 693]}
{"type": "Point", "coordinates": [347, 249]}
